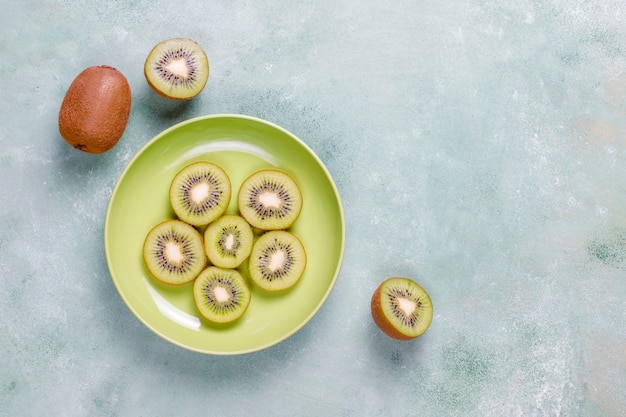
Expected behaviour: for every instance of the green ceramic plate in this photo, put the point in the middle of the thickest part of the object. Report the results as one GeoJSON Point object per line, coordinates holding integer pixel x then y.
{"type": "Point", "coordinates": [241, 145]}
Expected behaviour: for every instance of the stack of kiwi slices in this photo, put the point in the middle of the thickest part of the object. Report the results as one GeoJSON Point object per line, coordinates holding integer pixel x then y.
{"type": "Point", "coordinates": [209, 247]}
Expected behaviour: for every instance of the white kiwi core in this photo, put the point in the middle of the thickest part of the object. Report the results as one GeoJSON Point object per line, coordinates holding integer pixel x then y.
{"type": "Point", "coordinates": [173, 252]}
{"type": "Point", "coordinates": [178, 67]}
{"type": "Point", "coordinates": [269, 199]}
{"type": "Point", "coordinates": [200, 192]}
{"type": "Point", "coordinates": [229, 242]}
{"type": "Point", "coordinates": [277, 260]}
{"type": "Point", "coordinates": [221, 294]}
{"type": "Point", "coordinates": [407, 306]}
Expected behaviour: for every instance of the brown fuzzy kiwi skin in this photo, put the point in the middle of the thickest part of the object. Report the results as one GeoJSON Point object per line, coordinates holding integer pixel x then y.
{"type": "Point", "coordinates": [381, 321]}
{"type": "Point", "coordinates": [95, 110]}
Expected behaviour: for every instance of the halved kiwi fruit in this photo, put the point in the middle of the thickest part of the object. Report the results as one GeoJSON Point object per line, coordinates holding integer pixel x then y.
{"type": "Point", "coordinates": [270, 200]}
{"type": "Point", "coordinates": [173, 252]}
{"type": "Point", "coordinates": [401, 308]}
{"type": "Point", "coordinates": [228, 241]}
{"type": "Point", "coordinates": [221, 295]}
{"type": "Point", "coordinates": [177, 68]}
{"type": "Point", "coordinates": [200, 193]}
{"type": "Point", "coordinates": [277, 261]}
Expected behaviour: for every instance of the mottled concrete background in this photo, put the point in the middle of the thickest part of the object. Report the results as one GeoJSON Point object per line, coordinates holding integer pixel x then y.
{"type": "Point", "coordinates": [478, 147]}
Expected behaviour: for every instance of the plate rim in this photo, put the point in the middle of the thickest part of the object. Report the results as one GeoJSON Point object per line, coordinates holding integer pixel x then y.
{"type": "Point", "coordinates": [158, 137]}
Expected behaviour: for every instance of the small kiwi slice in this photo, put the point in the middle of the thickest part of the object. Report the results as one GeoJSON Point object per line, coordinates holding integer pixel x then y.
{"type": "Point", "coordinates": [177, 68]}
{"type": "Point", "coordinates": [270, 199]}
{"type": "Point", "coordinates": [200, 193]}
{"type": "Point", "coordinates": [401, 308]}
{"type": "Point", "coordinates": [221, 295]}
{"type": "Point", "coordinates": [173, 252]}
{"type": "Point", "coordinates": [277, 260]}
{"type": "Point", "coordinates": [228, 241]}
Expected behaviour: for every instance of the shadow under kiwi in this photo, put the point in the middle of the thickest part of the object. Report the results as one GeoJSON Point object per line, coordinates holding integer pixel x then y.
{"type": "Point", "coordinates": [165, 108]}
{"type": "Point", "coordinates": [218, 326]}
{"type": "Point", "coordinates": [397, 354]}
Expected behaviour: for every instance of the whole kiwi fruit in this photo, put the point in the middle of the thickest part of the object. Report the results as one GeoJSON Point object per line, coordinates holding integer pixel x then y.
{"type": "Point", "coordinates": [95, 110]}
{"type": "Point", "coordinates": [401, 308]}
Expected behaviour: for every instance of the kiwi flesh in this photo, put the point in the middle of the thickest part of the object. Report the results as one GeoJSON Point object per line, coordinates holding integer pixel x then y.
{"type": "Point", "coordinates": [401, 308]}
{"type": "Point", "coordinates": [270, 199]}
{"type": "Point", "coordinates": [200, 193]}
{"type": "Point", "coordinates": [221, 295]}
{"type": "Point", "coordinates": [277, 261]}
{"type": "Point", "coordinates": [177, 68]}
{"type": "Point", "coordinates": [173, 252]}
{"type": "Point", "coordinates": [228, 241]}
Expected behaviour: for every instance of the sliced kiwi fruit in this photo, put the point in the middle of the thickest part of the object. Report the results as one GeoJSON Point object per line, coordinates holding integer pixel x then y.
{"type": "Point", "coordinates": [401, 308]}
{"type": "Point", "coordinates": [177, 68]}
{"type": "Point", "coordinates": [173, 252]}
{"type": "Point", "coordinates": [277, 260]}
{"type": "Point", "coordinates": [221, 295]}
{"type": "Point", "coordinates": [228, 241]}
{"type": "Point", "coordinates": [200, 193]}
{"type": "Point", "coordinates": [270, 200]}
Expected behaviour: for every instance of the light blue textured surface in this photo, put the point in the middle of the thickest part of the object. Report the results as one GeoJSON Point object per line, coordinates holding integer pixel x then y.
{"type": "Point", "coordinates": [479, 148]}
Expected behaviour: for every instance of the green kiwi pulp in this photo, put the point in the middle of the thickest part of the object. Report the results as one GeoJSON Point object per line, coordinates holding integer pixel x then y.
{"type": "Point", "coordinates": [277, 261]}
{"type": "Point", "coordinates": [270, 200]}
{"type": "Point", "coordinates": [200, 193]}
{"type": "Point", "coordinates": [228, 241]}
{"type": "Point", "coordinates": [401, 308]}
{"type": "Point", "coordinates": [173, 252]}
{"type": "Point", "coordinates": [221, 295]}
{"type": "Point", "coordinates": [177, 68]}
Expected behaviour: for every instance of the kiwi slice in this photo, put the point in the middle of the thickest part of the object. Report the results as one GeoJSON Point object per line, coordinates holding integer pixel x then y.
{"type": "Point", "coordinates": [200, 193]}
{"type": "Point", "coordinates": [401, 308]}
{"type": "Point", "coordinates": [177, 68]}
{"type": "Point", "coordinates": [173, 252]}
{"type": "Point", "coordinates": [270, 200]}
{"type": "Point", "coordinates": [228, 241]}
{"type": "Point", "coordinates": [277, 260]}
{"type": "Point", "coordinates": [221, 295]}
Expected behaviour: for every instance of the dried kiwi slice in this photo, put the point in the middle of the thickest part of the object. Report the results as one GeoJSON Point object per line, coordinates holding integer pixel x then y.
{"type": "Point", "coordinates": [177, 68]}
{"type": "Point", "coordinates": [228, 241]}
{"type": "Point", "coordinates": [277, 261]}
{"type": "Point", "coordinates": [401, 308]}
{"type": "Point", "coordinates": [221, 295]}
{"type": "Point", "coordinates": [200, 193]}
{"type": "Point", "coordinates": [173, 252]}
